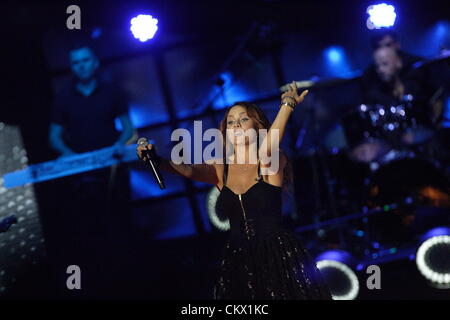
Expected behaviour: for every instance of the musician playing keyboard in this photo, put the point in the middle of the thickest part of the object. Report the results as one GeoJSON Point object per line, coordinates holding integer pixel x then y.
{"type": "Point", "coordinates": [84, 114]}
{"type": "Point", "coordinates": [93, 205]}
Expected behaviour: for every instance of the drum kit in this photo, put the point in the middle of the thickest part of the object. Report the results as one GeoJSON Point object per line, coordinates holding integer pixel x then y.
{"type": "Point", "coordinates": [373, 131]}
{"type": "Point", "coordinates": [390, 144]}
{"type": "Point", "coordinates": [393, 141]}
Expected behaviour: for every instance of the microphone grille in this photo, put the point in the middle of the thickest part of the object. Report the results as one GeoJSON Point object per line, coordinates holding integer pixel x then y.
{"type": "Point", "coordinates": [142, 141]}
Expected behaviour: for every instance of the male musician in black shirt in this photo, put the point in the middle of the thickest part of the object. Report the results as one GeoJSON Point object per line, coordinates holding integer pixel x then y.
{"type": "Point", "coordinates": [392, 81]}
{"type": "Point", "coordinates": [84, 114]}
{"type": "Point", "coordinates": [397, 77]}
{"type": "Point", "coordinates": [393, 72]}
{"type": "Point", "coordinates": [93, 205]}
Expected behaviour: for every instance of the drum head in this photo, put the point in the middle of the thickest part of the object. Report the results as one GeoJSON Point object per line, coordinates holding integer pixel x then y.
{"type": "Point", "coordinates": [369, 151]}
{"type": "Point", "coordinates": [364, 137]}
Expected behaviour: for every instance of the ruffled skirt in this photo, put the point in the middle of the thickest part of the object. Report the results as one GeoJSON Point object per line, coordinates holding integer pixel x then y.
{"type": "Point", "coordinates": [270, 266]}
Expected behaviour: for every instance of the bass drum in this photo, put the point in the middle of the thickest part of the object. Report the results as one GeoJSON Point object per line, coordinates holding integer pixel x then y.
{"type": "Point", "coordinates": [420, 193]}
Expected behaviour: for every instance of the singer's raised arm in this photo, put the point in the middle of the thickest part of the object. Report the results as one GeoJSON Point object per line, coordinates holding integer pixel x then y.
{"type": "Point", "coordinates": [283, 115]}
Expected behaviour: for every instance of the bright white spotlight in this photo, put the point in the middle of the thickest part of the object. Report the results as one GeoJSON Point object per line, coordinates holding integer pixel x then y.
{"type": "Point", "coordinates": [380, 16]}
{"type": "Point", "coordinates": [433, 257]}
{"type": "Point", "coordinates": [144, 27]}
{"type": "Point", "coordinates": [340, 278]}
{"type": "Point", "coordinates": [211, 200]}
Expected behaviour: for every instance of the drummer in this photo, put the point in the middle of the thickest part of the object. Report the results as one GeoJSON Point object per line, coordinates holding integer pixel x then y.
{"type": "Point", "coordinates": [392, 81]}
{"type": "Point", "coordinates": [395, 84]}
{"type": "Point", "coordinates": [402, 64]}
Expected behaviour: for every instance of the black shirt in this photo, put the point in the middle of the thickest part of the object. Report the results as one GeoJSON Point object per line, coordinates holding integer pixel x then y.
{"type": "Point", "coordinates": [415, 77]}
{"type": "Point", "coordinates": [89, 121]}
{"type": "Point", "coordinates": [375, 91]}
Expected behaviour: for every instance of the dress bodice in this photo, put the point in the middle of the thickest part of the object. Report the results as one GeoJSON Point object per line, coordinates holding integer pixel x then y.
{"type": "Point", "coordinates": [257, 211]}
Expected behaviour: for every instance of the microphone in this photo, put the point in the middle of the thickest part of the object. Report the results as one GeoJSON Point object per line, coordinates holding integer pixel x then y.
{"type": "Point", "coordinates": [300, 85]}
{"type": "Point", "coordinates": [151, 161]}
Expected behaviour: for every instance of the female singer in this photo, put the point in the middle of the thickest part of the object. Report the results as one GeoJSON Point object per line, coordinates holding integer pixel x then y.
{"type": "Point", "coordinates": [262, 260]}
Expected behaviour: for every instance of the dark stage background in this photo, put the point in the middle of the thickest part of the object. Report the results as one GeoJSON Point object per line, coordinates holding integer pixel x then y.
{"type": "Point", "coordinates": [205, 56]}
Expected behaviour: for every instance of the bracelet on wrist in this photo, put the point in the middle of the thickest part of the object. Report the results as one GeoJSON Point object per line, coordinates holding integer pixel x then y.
{"type": "Point", "coordinates": [289, 97]}
{"type": "Point", "coordinates": [289, 104]}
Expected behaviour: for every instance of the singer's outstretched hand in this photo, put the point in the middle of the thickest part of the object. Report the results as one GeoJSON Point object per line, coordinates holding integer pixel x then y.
{"type": "Point", "coordinates": [291, 95]}
{"type": "Point", "coordinates": [141, 148]}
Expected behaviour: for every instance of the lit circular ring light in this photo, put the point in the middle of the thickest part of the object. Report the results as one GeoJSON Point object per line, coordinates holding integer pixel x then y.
{"type": "Point", "coordinates": [436, 251]}
{"type": "Point", "coordinates": [341, 280]}
{"type": "Point", "coordinates": [211, 200]}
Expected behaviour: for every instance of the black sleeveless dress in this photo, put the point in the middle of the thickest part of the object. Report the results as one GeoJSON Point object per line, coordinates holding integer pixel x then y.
{"type": "Point", "coordinates": [263, 260]}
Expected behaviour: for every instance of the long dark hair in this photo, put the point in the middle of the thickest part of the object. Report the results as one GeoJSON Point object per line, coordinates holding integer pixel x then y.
{"type": "Point", "coordinates": [258, 116]}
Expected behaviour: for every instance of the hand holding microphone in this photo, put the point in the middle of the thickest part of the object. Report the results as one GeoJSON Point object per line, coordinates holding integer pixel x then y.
{"type": "Point", "coordinates": [146, 152]}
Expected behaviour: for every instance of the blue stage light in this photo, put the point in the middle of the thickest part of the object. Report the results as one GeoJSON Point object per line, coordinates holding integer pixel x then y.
{"type": "Point", "coordinates": [381, 16]}
{"type": "Point", "coordinates": [360, 233]}
{"type": "Point", "coordinates": [96, 33]}
{"type": "Point", "coordinates": [435, 41]}
{"type": "Point", "coordinates": [226, 78]}
{"type": "Point", "coordinates": [144, 27]}
{"type": "Point", "coordinates": [336, 62]}
{"type": "Point", "coordinates": [334, 54]}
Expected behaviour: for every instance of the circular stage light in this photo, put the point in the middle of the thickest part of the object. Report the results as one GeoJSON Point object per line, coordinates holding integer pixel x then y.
{"type": "Point", "coordinates": [340, 278]}
{"type": "Point", "coordinates": [433, 257]}
{"type": "Point", "coordinates": [222, 224]}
